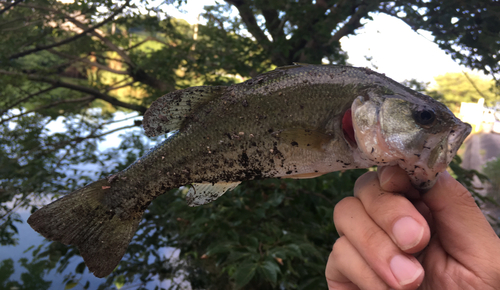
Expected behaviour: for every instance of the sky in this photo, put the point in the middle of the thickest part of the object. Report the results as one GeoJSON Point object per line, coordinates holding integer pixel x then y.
{"type": "Point", "coordinates": [396, 50]}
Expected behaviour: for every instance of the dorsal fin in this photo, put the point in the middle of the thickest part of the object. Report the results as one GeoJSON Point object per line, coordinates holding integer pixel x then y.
{"type": "Point", "coordinates": [292, 66]}
{"type": "Point", "coordinates": [169, 112]}
{"type": "Point", "coordinates": [301, 64]}
{"type": "Point", "coordinates": [203, 193]}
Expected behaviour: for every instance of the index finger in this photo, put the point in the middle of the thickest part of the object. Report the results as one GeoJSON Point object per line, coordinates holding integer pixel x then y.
{"type": "Point", "coordinates": [393, 212]}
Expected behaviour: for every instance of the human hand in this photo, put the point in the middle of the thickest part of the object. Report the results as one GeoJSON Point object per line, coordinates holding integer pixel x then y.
{"type": "Point", "coordinates": [393, 237]}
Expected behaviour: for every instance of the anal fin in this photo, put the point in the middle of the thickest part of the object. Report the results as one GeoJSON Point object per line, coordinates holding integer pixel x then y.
{"type": "Point", "coordinates": [203, 193]}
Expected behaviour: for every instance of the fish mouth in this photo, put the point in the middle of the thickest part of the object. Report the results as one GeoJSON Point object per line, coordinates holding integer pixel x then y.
{"type": "Point", "coordinates": [433, 161]}
{"type": "Point", "coordinates": [456, 137]}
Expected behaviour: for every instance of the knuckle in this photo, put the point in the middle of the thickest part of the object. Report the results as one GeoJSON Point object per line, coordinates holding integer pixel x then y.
{"type": "Point", "coordinates": [339, 244]}
{"type": "Point", "coordinates": [345, 206]}
{"type": "Point", "coordinates": [372, 236]}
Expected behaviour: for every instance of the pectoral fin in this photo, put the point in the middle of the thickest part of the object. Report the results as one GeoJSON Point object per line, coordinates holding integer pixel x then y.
{"type": "Point", "coordinates": [203, 193]}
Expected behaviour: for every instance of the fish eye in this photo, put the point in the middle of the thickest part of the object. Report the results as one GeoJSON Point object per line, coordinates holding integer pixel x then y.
{"type": "Point", "coordinates": [424, 117]}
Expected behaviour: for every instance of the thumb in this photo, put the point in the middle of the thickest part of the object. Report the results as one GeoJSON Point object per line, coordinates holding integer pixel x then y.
{"type": "Point", "coordinates": [460, 225]}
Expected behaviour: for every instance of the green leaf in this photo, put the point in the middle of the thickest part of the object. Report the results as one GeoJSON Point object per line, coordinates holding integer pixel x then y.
{"type": "Point", "coordinates": [80, 268]}
{"type": "Point", "coordinates": [218, 248]}
{"type": "Point", "coordinates": [120, 281]}
{"type": "Point", "coordinates": [253, 242]}
{"type": "Point", "coordinates": [244, 274]}
{"type": "Point", "coordinates": [6, 270]}
{"type": "Point", "coordinates": [270, 270]}
{"type": "Point", "coordinates": [71, 284]}
{"type": "Point", "coordinates": [293, 250]}
{"type": "Point", "coordinates": [28, 249]}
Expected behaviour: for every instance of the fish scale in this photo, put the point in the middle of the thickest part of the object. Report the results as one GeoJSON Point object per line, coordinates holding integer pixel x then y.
{"type": "Point", "coordinates": [299, 121]}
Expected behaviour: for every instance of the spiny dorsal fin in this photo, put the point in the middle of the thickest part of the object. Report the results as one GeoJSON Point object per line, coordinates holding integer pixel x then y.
{"type": "Point", "coordinates": [169, 112]}
{"type": "Point", "coordinates": [292, 66]}
{"type": "Point", "coordinates": [203, 193]}
{"type": "Point", "coordinates": [301, 64]}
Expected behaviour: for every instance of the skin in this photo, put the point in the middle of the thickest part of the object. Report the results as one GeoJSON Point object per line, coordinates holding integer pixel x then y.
{"type": "Point", "coordinates": [440, 240]}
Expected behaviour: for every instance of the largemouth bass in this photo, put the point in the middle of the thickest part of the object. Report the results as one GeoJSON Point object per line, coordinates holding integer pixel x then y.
{"type": "Point", "coordinates": [299, 121]}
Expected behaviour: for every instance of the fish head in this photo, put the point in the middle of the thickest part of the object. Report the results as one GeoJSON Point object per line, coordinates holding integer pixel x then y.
{"type": "Point", "coordinates": [419, 134]}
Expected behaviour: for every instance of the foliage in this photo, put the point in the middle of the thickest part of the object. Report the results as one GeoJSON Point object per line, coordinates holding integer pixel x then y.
{"type": "Point", "coordinates": [454, 88]}
{"type": "Point", "coordinates": [77, 66]}
{"type": "Point", "coordinates": [492, 170]}
{"type": "Point", "coordinates": [30, 280]}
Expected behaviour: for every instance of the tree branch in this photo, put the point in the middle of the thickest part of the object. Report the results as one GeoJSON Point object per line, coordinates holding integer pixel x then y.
{"type": "Point", "coordinates": [70, 39]}
{"type": "Point", "coordinates": [149, 38]}
{"type": "Point", "coordinates": [351, 25]}
{"type": "Point", "coordinates": [250, 22]}
{"type": "Point", "coordinates": [474, 85]}
{"type": "Point", "coordinates": [27, 98]}
{"type": "Point", "coordinates": [138, 74]}
{"type": "Point", "coordinates": [89, 99]}
{"type": "Point", "coordinates": [90, 136]}
{"type": "Point", "coordinates": [104, 39]}
{"type": "Point", "coordinates": [273, 23]}
{"type": "Point", "coordinates": [117, 83]}
{"type": "Point", "coordinates": [91, 91]}
{"type": "Point", "coordinates": [7, 7]}
{"type": "Point", "coordinates": [119, 87]}
{"type": "Point", "coordinates": [87, 61]}
{"type": "Point", "coordinates": [22, 26]}
{"type": "Point", "coordinates": [118, 121]}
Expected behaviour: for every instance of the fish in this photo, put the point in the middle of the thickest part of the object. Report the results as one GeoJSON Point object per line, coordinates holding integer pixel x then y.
{"type": "Point", "coordinates": [297, 121]}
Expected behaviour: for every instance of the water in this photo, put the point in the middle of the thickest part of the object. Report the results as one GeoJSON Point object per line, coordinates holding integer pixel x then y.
{"type": "Point", "coordinates": [27, 237]}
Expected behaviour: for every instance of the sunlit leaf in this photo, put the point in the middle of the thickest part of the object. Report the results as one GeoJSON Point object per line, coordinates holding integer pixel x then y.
{"type": "Point", "coordinates": [70, 285]}
{"type": "Point", "coordinates": [119, 281]}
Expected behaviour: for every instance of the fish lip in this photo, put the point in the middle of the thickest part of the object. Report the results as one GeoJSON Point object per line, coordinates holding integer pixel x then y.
{"type": "Point", "coordinates": [424, 177]}
{"type": "Point", "coordinates": [456, 137]}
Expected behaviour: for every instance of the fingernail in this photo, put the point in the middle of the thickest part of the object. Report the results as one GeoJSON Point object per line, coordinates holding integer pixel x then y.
{"type": "Point", "coordinates": [407, 232]}
{"type": "Point", "coordinates": [405, 270]}
{"type": "Point", "coordinates": [385, 175]}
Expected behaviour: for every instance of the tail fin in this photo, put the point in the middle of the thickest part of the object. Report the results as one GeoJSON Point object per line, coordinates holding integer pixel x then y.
{"type": "Point", "coordinates": [84, 219]}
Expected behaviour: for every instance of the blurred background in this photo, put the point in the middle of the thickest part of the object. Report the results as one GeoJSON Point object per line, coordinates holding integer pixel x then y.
{"type": "Point", "coordinates": [77, 76]}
